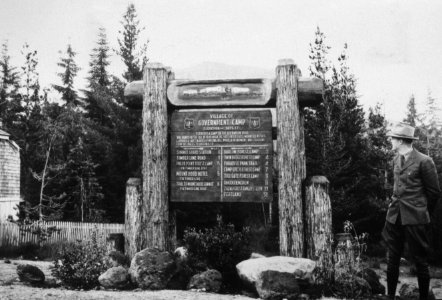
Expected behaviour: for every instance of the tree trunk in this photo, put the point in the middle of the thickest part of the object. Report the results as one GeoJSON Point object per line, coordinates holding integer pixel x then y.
{"type": "Point", "coordinates": [155, 155]}
{"type": "Point", "coordinates": [291, 160]}
{"type": "Point", "coordinates": [135, 234]}
{"type": "Point", "coordinates": [319, 224]}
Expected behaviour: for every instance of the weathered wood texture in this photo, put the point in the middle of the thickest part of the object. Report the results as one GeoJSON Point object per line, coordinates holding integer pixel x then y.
{"type": "Point", "coordinates": [310, 92]}
{"type": "Point", "coordinates": [155, 155]}
{"type": "Point", "coordinates": [172, 242]}
{"type": "Point", "coordinates": [291, 161]}
{"type": "Point", "coordinates": [135, 234]}
{"type": "Point", "coordinates": [9, 176]}
{"type": "Point", "coordinates": [318, 223]}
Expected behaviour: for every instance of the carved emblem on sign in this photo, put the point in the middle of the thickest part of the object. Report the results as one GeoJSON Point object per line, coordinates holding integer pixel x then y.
{"type": "Point", "coordinates": [188, 123]}
{"type": "Point", "coordinates": [254, 123]}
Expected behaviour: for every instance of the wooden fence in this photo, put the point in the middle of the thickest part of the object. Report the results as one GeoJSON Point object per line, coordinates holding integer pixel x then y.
{"type": "Point", "coordinates": [10, 234]}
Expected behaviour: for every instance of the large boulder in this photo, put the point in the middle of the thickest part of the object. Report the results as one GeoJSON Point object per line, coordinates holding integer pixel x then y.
{"type": "Point", "coordinates": [30, 274]}
{"type": "Point", "coordinates": [274, 285]}
{"type": "Point", "coordinates": [152, 269]}
{"type": "Point", "coordinates": [276, 277]}
{"type": "Point", "coordinates": [373, 280]}
{"type": "Point", "coordinates": [114, 278]}
{"type": "Point", "coordinates": [209, 281]}
{"type": "Point", "coordinates": [250, 270]}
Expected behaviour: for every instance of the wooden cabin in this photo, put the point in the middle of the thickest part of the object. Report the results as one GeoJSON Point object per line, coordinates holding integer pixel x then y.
{"type": "Point", "coordinates": [9, 176]}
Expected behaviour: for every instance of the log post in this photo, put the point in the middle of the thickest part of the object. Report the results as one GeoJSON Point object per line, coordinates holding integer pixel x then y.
{"type": "Point", "coordinates": [319, 224]}
{"type": "Point", "coordinates": [155, 155]}
{"type": "Point", "coordinates": [291, 160]}
{"type": "Point", "coordinates": [172, 243]}
{"type": "Point", "coordinates": [135, 236]}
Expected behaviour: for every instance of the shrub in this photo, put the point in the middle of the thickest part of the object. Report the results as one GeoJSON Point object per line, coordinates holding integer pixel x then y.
{"type": "Point", "coordinates": [348, 265]}
{"type": "Point", "coordinates": [220, 248]}
{"type": "Point", "coordinates": [80, 264]}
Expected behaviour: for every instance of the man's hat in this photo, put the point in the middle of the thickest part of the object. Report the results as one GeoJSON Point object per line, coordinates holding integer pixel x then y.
{"type": "Point", "coordinates": [402, 131]}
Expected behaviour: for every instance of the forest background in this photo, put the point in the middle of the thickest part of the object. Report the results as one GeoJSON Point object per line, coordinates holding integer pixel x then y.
{"type": "Point", "coordinates": [78, 151]}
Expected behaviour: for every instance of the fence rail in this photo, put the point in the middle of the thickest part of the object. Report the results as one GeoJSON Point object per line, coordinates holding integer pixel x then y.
{"type": "Point", "coordinates": [10, 234]}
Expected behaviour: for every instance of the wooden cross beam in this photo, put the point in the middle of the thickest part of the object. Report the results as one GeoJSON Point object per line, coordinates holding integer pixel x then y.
{"type": "Point", "coordinates": [240, 92]}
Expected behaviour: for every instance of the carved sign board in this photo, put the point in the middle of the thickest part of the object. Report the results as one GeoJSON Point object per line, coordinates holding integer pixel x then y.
{"type": "Point", "coordinates": [220, 92]}
{"type": "Point", "coordinates": [221, 156]}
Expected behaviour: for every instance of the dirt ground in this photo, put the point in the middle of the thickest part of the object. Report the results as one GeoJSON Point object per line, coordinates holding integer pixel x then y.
{"type": "Point", "coordinates": [12, 288]}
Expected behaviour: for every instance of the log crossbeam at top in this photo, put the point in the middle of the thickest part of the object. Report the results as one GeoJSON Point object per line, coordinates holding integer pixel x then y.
{"type": "Point", "coordinates": [233, 92]}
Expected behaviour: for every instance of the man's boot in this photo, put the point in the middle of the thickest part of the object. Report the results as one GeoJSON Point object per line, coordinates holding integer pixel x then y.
{"type": "Point", "coordinates": [392, 274]}
{"type": "Point", "coordinates": [424, 286]}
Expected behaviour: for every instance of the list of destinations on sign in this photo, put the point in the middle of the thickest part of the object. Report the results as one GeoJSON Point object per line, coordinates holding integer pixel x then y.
{"type": "Point", "coordinates": [221, 156]}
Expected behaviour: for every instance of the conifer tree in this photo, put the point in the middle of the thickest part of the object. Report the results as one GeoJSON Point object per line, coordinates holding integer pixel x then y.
{"type": "Point", "coordinates": [98, 73]}
{"type": "Point", "coordinates": [98, 101]}
{"type": "Point", "coordinates": [67, 75]}
{"type": "Point", "coordinates": [334, 134]}
{"type": "Point", "coordinates": [412, 116]}
{"type": "Point", "coordinates": [133, 58]}
{"type": "Point", "coordinates": [9, 83]}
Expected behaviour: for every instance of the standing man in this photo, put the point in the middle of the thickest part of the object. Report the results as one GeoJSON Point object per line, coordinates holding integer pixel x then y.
{"type": "Point", "coordinates": [415, 193]}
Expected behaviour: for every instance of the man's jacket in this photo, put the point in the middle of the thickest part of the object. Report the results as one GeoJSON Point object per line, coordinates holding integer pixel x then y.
{"type": "Point", "coordinates": [415, 191]}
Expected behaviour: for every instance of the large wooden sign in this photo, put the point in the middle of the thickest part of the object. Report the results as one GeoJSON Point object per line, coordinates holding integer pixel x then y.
{"type": "Point", "coordinates": [221, 156]}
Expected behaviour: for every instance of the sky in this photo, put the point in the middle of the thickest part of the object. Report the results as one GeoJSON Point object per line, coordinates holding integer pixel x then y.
{"type": "Point", "coordinates": [394, 47]}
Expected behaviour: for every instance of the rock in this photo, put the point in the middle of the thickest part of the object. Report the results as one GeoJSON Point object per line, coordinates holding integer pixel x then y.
{"type": "Point", "coordinates": [373, 280]}
{"type": "Point", "coordinates": [7, 261]}
{"type": "Point", "coordinates": [181, 253]}
{"type": "Point", "coordinates": [118, 259]}
{"type": "Point", "coordinates": [437, 292]}
{"type": "Point", "coordinates": [250, 270]}
{"type": "Point", "coordinates": [152, 269]}
{"type": "Point", "coordinates": [208, 281]}
{"type": "Point", "coordinates": [410, 291]}
{"type": "Point", "coordinates": [274, 285]}
{"type": "Point", "coordinates": [182, 275]}
{"type": "Point", "coordinates": [114, 278]}
{"type": "Point", "coordinates": [256, 255]}
{"type": "Point", "coordinates": [30, 274]}
{"type": "Point", "coordinates": [51, 283]}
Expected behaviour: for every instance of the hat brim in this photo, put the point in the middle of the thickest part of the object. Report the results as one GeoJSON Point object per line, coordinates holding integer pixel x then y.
{"type": "Point", "coordinates": [402, 136]}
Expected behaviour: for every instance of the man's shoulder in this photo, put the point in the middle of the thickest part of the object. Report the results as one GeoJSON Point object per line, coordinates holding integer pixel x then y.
{"type": "Point", "coordinates": [421, 157]}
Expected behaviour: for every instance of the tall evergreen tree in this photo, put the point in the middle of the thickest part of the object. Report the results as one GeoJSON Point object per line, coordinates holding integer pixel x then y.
{"type": "Point", "coordinates": [133, 58]}
{"type": "Point", "coordinates": [334, 133]}
{"type": "Point", "coordinates": [99, 97]}
{"type": "Point", "coordinates": [98, 73]}
{"type": "Point", "coordinates": [26, 129]}
{"type": "Point", "coordinates": [412, 116]}
{"type": "Point", "coordinates": [9, 82]}
{"type": "Point", "coordinates": [67, 75]}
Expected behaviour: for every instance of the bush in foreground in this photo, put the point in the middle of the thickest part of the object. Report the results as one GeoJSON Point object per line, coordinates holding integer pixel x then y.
{"type": "Point", "coordinates": [80, 264]}
{"type": "Point", "coordinates": [220, 248]}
